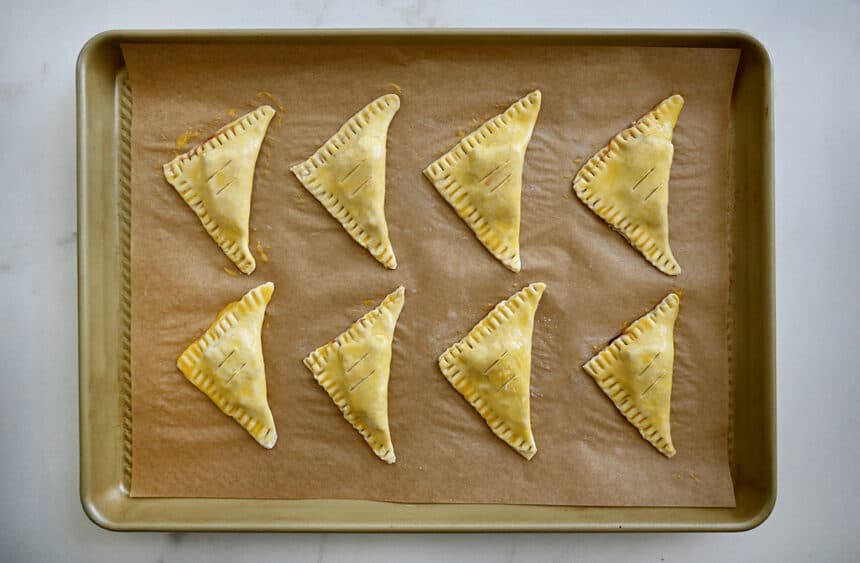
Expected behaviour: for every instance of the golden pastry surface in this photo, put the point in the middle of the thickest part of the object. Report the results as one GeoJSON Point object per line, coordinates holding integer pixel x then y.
{"type": "Point", "coordinates": [216, 179]}
{"type": "Point", "coordinates": [627, 183]}
{"type": "Point", "coordinates": [347, 175]}
{"type": "Point", "coordinates": [491, 368]}
{"type": "Point", "coordinates": [226, 364]}
{"type": "Point", "coordinates": [635, 371]}
{"type": "Point", "coordinates": [482, 178]}
{"type": "Point", "coordinates": [354, 371]}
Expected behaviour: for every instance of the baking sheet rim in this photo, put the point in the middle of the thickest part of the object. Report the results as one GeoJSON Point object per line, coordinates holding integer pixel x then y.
{"type": "Point", "coordinates": [113, 38]}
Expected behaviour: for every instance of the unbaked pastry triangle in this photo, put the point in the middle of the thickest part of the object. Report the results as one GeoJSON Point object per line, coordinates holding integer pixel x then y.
{"type": "Point", "coordinates": [491, 368]}
{"type": "Point", "coordinates": [354, 370]}
{"type": "Point", "coordinates": [635, 371]}
{"type": "Point", "coordinates": [216, 178]}
{"type": "Point", "coordinates": [627, 183]}
{"type": "Point", "coordinates": [347, 175]}
{"type": "Point", "coordinates": [226, 363]}
{"type": "Point", "coordinates": [482, 177]}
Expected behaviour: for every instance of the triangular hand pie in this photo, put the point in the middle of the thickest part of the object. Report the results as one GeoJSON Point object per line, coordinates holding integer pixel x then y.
{"type": "Point", "coordinates": [635, 371]}
{"type": "Point", "coordinates": [347, 175]}
{"type": "Point", "coordinates": [216, 178]}
{"type": "Point", "coordinates": [354, 370]}
{"type": "Point", "coordinates": [491, 368]}
{"type": "Point", "coordinates": [226, 363]}
{"type": "Point", "coordinates": [482, 178]}
{"type": "Point", "coordinates": [627, 183]}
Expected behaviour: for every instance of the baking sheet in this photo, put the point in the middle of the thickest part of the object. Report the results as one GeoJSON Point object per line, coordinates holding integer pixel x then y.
{"type": "Point", "coordinates": [587, 452]}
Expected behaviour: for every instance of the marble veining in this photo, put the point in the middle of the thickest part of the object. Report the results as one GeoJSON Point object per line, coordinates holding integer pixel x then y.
{"type": "Point", "coordinates": [815, 53]}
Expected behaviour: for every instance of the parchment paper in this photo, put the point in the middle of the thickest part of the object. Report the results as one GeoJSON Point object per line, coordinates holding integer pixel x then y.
{"type": "Point", "coordinates": [588, 454]}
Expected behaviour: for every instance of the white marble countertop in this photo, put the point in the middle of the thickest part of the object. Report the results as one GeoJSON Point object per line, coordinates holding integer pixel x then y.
{"type": "Point", "coordinates": [815, 49]}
